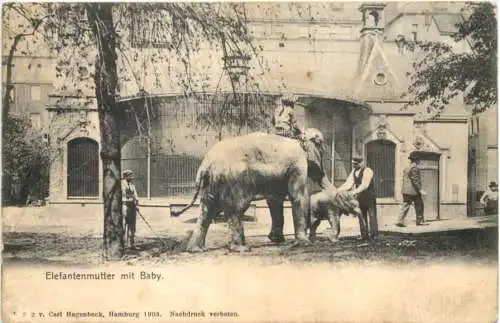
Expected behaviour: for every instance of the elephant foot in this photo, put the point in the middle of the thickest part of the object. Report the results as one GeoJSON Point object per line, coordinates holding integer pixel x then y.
{"type": "Point", "coordinates": [195, 249]}
{"type": "Point", "coordinates": [276, 238]}
{"type": "Point", "coordinates": [333, 239]}
{"type": "Point", "coordinates": [312, 237]}
{"type": "Point", "coordinates": [239, 248]}
{"type": "Point", "coordinates": [301, 243]}
{"type": "Point", "coordinates": [364, 238]}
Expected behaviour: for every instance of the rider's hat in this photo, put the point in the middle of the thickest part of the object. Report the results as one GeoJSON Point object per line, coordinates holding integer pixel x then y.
{"type": "Point", "coordinates": [357, 158]}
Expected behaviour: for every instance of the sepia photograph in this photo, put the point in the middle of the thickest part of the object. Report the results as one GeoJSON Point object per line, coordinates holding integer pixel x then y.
{"type": "Point", "coordinates": [249, 161]}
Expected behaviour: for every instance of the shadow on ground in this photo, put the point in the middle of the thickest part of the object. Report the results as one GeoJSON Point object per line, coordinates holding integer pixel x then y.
{"type": "Point", "coordinates": [473, 245]}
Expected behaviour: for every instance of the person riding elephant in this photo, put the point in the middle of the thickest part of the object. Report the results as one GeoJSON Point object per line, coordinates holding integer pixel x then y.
{"type": "Point", "coordinates": [239, 170]}
{"type": "Point", "coordinates": [284, 121]}
{"type": "Point", "coordinates": [286, 125]}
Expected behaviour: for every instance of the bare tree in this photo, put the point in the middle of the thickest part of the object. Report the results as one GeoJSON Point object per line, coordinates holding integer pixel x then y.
{"type": "Point", "coordinates": [28, 21]}
{"type": "Point", "coordinates": [105, 34]}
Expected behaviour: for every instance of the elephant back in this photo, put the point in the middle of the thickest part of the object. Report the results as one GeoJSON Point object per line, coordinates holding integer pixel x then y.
{"type": "Point", "coordinates": [258, 152]}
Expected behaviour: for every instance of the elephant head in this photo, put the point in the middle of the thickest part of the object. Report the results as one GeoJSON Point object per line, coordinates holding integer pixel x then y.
{"type": "Point", "coordinates": [315, 145]}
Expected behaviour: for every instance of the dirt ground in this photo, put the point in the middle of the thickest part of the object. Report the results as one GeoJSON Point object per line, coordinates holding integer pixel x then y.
{"type": "Point", "coordinates": [72, 235]}
{"type": "Point", "coordinates": [446, 276]}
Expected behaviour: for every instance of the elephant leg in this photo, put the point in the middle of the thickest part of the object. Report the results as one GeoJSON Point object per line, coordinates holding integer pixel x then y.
{"type": "Point", "coordinates": [277, 218]}
{"type": "Point", "coordinates": [197, 240]}
{"type": "Point", "coordinates": [237, 234]}
{"type": "Point", "coordinates": [334, 220]}
{"type": "Point", "coordinates": [300, 207]}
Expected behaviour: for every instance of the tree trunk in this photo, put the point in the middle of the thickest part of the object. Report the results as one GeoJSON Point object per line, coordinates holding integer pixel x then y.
{"type": "Point", "coordinates": [101, 22]}
{"type": "Point", "coordinates": [8, 77]}
{"type": "Point", "coordinates": [5, 112]}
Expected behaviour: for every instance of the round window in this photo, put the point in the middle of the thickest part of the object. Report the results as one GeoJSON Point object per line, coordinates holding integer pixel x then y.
{"type": "Point", "coordinates": [380, 78]}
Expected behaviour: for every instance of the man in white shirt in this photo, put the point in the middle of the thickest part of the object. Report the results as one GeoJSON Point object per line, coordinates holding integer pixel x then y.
{"type": "Point", "coordinates": [489, 200]}
{"type": "Point", "coordinates": [360, 182]}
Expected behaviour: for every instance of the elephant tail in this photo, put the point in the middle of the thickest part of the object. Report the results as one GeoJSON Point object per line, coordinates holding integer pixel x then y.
{"type": "Point", "coordinates": [200, 177]}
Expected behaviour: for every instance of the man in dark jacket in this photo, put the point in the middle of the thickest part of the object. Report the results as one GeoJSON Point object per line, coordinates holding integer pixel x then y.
{"type": "Point", "coordinates": [412, 191]}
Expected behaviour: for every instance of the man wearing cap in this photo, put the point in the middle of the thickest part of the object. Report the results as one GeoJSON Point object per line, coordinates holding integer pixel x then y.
{"type": "Point", "coordinates": [412, 191]}
{"type": "Point", "coordinates": [284, 121]}
{"type": "Point", "coordinates": [130, 201]}
{"type": "Point", "coordinates": [489, 200]}
{"type": "Point", "coordinates": [360, 182]}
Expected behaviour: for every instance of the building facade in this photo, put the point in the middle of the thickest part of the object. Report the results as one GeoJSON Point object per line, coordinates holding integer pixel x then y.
{"type": "Point", "coordinates": [349, 71]}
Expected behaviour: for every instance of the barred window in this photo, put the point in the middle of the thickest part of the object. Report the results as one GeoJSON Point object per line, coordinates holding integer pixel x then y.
{"type": "Point", "coordinates": [381, 158]}
{"type": "Point", "coordinates": [83, 168]}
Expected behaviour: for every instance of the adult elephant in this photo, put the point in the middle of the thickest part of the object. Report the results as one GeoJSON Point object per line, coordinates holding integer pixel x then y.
{"type": "Point", "coordinates": [239, 170]}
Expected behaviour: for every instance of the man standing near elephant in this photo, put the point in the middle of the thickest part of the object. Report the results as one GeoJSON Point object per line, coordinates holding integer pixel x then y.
{"type": "Point", "coordinates": [412, 191]}
{"type": "Point", "coordinates": [130, 201]}
{"type": "Point", "coordinates": [360, 183]}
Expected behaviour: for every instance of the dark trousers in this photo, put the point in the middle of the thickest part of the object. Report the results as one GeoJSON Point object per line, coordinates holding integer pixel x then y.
{"type": "Point", "coordinates": [408, 200]}
{"type": "Point", "coordinates": [368, 223]}
{"type": "Point", "coordinates": [130, 215]}
{"type": "Point", "coordinates": [491, 208]}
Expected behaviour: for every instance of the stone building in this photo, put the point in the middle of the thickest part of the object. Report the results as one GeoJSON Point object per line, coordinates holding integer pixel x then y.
{"type": "Point", "coordinates": [348, 68]}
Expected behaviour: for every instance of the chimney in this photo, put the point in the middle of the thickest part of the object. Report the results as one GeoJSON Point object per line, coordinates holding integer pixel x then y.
{"type": "Point", "coordinates": [372, 30]}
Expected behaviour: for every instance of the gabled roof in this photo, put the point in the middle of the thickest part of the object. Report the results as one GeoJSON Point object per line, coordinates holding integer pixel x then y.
{"type": "Point", "coordinates": [446, 23]}
{"type": "Point", "coordinates": [378, 79]}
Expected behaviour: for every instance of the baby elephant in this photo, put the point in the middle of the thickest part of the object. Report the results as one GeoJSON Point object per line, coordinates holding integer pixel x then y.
{"type": "Point", "coordinates": [330, 206]}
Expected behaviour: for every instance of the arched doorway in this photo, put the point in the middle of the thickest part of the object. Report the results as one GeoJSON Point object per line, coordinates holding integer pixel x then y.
{"type": "Point", "coordinates": [83, 168]}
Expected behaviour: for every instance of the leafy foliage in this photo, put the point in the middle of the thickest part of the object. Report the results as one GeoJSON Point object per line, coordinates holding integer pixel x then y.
{"type": "Point", "coordinates": [29, 20]}
{"type": "Point", "coordinates": [25, 158]}
{"type": "Point", "coordinates": [440, 73]}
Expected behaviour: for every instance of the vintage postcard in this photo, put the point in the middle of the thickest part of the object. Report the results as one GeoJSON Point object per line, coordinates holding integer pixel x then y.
{"type": "Point", "coordinates": [249, 162]}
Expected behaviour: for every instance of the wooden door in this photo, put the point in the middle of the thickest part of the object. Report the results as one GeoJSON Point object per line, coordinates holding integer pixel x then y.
{"type": "Point", "coordinates": [429, 170]}
{"type": "Point", "coordinates": [381, 158]}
